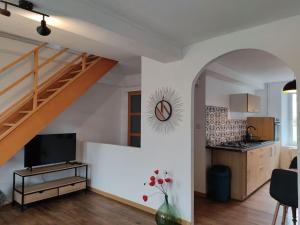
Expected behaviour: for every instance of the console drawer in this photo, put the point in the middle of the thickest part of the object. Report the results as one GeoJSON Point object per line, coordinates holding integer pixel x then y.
{"type": "Point", "coordinates": [72, 188]}
{"type": "Point", "coordinates": [36, 196]}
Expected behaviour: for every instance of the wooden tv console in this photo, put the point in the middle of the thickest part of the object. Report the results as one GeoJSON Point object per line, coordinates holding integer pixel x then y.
{"type": "Point", "coordinates": [25, 194]}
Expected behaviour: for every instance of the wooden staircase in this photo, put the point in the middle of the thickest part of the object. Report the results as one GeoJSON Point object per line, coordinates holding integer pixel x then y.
{"type": "Point", "coordinates": [36, 109]}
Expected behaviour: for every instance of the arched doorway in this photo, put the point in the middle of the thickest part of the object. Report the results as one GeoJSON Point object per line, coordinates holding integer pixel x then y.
{"type": "Point", "coordinates": [245, 71]}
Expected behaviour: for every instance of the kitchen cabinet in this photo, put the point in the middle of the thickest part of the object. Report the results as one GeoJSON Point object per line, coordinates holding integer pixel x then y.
{"type": "Point", "coordinates": [264, 128]}
{"type": "Point", "coordinates": [249, 169]}
{"type": "Point", "coordinates": [244, 103]}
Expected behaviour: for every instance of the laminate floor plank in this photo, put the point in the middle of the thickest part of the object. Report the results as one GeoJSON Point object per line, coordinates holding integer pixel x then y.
{"type": "Point", "coordinates": [258, 209]}
{"type": "Point", "coordinates": [93, 209]}
{"type": "Point", "coordinates": [76, 209]}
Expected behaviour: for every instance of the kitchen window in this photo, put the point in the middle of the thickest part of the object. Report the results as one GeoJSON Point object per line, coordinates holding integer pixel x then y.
{"type": "Point", "coordinates": [289, 132]}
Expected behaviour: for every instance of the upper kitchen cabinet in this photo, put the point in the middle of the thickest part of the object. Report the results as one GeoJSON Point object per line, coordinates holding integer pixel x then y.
{"type": "Point", "coordinates": [244, 103]}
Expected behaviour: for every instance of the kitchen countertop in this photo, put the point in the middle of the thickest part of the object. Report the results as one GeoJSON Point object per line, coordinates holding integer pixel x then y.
{"type": "Point", "coordinates": [236, 149]}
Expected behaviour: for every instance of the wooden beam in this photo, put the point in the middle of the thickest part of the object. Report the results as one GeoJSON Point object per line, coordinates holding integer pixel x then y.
{"type": "Point", "coordinates": [16, 137]}
{"type": "Point", "coordinates": [21, 58]}
{"type": "Point", "coordinates": [28, 97]}
{"type": "Point", "coordinates": [36, 78]}
{"type": "Point", "coordinates": [84, 56]}
{"type": "Point", "coordinates": [17, 82]}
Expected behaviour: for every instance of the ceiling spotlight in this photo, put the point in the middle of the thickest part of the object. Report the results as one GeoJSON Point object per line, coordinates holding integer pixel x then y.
{"type": "Point", "coordinates": [290, 87]}
{"type": "Point", "coordinates": [43, 29]}
{"type": "Point", "coordinates": [4, 11]}
{"type": "Point", "coordinates": [26, 5]}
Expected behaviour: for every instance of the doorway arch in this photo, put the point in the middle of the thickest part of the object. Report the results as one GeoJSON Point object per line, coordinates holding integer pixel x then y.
{"type": "Point", "coordinates": [195, 86]}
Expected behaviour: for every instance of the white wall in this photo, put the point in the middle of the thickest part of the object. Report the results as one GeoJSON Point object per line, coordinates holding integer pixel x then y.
{"type": "Point", "coordinates": [175, 151]}
{"type": "Point", "coordinates": [218, 94]}
{"type": "Point", "coordinates": [181, 75]}
{"type": "Point", "coordinates": [271, 97]}
{"type": "Point", "coordinates": [213, 92]}
{"type": "Point", "coordinates": [99, 115]}
{"type": "Point", "coordinates": [202, 155]}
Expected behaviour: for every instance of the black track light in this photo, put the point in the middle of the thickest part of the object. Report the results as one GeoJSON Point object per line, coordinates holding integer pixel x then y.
{"type": "Point", "coordinates": [43, 29]}
{"type": "Point", "coordinates": [4, 11]}
{"type": "Point", "coordinates": [28, 6]}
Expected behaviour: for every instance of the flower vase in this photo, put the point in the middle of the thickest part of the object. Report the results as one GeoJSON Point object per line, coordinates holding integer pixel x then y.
{"type": "Point", "coordinates": [166, 214]}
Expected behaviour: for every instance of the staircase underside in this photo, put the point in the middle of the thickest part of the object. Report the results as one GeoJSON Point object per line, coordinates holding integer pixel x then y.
{"type": "Point", "coordinates": [20, 123]}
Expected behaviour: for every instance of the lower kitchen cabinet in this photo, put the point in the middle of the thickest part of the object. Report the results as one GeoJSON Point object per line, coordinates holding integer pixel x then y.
{"type": "Point", "coordinates": [250, 169]}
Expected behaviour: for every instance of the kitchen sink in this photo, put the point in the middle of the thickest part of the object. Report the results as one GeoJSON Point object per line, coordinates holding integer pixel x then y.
{"type": "Point", "coordinates": [256, 141]}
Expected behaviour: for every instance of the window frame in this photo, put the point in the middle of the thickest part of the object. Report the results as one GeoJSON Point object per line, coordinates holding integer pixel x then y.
{"type": "Point", "coordinates": [130, 115]}
{"type": "Point", "coordinates": [291, 112]}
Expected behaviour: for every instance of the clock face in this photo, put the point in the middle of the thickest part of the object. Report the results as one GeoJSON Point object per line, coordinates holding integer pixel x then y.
{"type": "Point", "coordinates": [164, 110]}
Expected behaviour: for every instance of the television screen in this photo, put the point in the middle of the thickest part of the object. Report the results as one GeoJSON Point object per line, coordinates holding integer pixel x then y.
{"type": "Point", "coordinates": [50, 148]}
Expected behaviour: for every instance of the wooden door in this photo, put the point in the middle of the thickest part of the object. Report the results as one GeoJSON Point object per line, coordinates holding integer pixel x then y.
{"type": "Point", "coordinates": [134, 118]}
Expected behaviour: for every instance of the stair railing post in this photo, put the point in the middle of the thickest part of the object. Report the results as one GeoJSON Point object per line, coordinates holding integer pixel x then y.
{"type": "Point", "coordinates": [36, 78]}
{"type": "Point", "coordinates": [84, 56]}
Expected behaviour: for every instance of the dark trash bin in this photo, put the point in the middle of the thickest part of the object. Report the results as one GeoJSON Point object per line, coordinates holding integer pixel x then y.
{"type": "Point", "coordinates": [218, 183]}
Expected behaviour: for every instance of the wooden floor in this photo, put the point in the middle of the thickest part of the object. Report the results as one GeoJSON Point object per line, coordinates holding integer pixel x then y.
{"type": "Point", "coordinates": [92, 209]}
{"type": "Point", "coordinates": [256, 210]}
{"type": "Point", "coordinates": [78, 209]}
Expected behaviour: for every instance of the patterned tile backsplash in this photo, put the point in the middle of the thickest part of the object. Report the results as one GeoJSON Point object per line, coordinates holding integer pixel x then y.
{"type": "Point", "coordinates": [219, 128]}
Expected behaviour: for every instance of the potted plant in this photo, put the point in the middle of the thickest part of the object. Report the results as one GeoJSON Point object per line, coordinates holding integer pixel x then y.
{"type": "Point", "coordinates": [166, 213]}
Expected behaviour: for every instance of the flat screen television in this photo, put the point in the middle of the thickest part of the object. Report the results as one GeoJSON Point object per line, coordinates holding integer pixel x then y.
{"type": "Point", "coordinates": [50, 149]}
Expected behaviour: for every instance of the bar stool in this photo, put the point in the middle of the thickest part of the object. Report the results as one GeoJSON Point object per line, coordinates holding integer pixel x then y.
{"type": "Point", "coordinates": [293, 164]}
{"type": "Point", "coordinates": [284, 189]}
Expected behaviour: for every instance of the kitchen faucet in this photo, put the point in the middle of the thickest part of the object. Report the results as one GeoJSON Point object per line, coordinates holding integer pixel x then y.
{"type": "Point", "coordinates": [248, 136]}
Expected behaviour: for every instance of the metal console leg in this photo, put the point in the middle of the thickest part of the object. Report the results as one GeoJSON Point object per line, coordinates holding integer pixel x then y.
{"type": "Point", "coordinates": [14, 188]}
{"type": "Point", "coordinates": [86, 178]}
{"type": "Point", "coordinates": [22, 205]}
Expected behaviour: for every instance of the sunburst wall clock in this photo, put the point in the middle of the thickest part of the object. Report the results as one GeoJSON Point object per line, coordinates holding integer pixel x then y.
{"type": "Point", "coordinates": [164, 110]}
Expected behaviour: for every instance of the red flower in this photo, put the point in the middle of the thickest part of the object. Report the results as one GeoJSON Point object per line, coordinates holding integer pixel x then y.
{"type": "Point", "coordinates": [168, 180]}
{"type": "Point", "coordinates": [145, 198]}
{"type": "Point", "coordinates": [152, 178]}
{"type": "Point", "coordinates": [152, 183]}
{"type": "Point", "coordinates": [156, 172]}
{"type": "Point", "coordinates": [160, 181]}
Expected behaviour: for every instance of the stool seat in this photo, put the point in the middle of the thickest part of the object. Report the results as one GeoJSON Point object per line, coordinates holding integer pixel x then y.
{"type": "Point", "coordinates": [284, 189]}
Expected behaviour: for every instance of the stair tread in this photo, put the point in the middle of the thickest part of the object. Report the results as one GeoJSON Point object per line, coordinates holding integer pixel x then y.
{"type": "Point", "coordinates": [52, 90]}
{"type": "Point", "coordinates": [28, 112]}
{"type": "Point", "coordinates": [24, 111]}
{"type": "Point", "coordinates": [65, 80]}
{"type": "Point", "coordinates": [9, 124]}
{"type": "Point", "coordinates": [77, 71]}
{"type": "Point", "coordinates": [42, 99]}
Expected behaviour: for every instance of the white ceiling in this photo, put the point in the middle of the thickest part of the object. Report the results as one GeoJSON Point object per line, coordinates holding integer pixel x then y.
{"type": "Point", "coordinates": [158, 29]}
{"type": "Point", "coordinates": [254, 67]}
{"type": "Point", "coordinates": [189, 21]}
